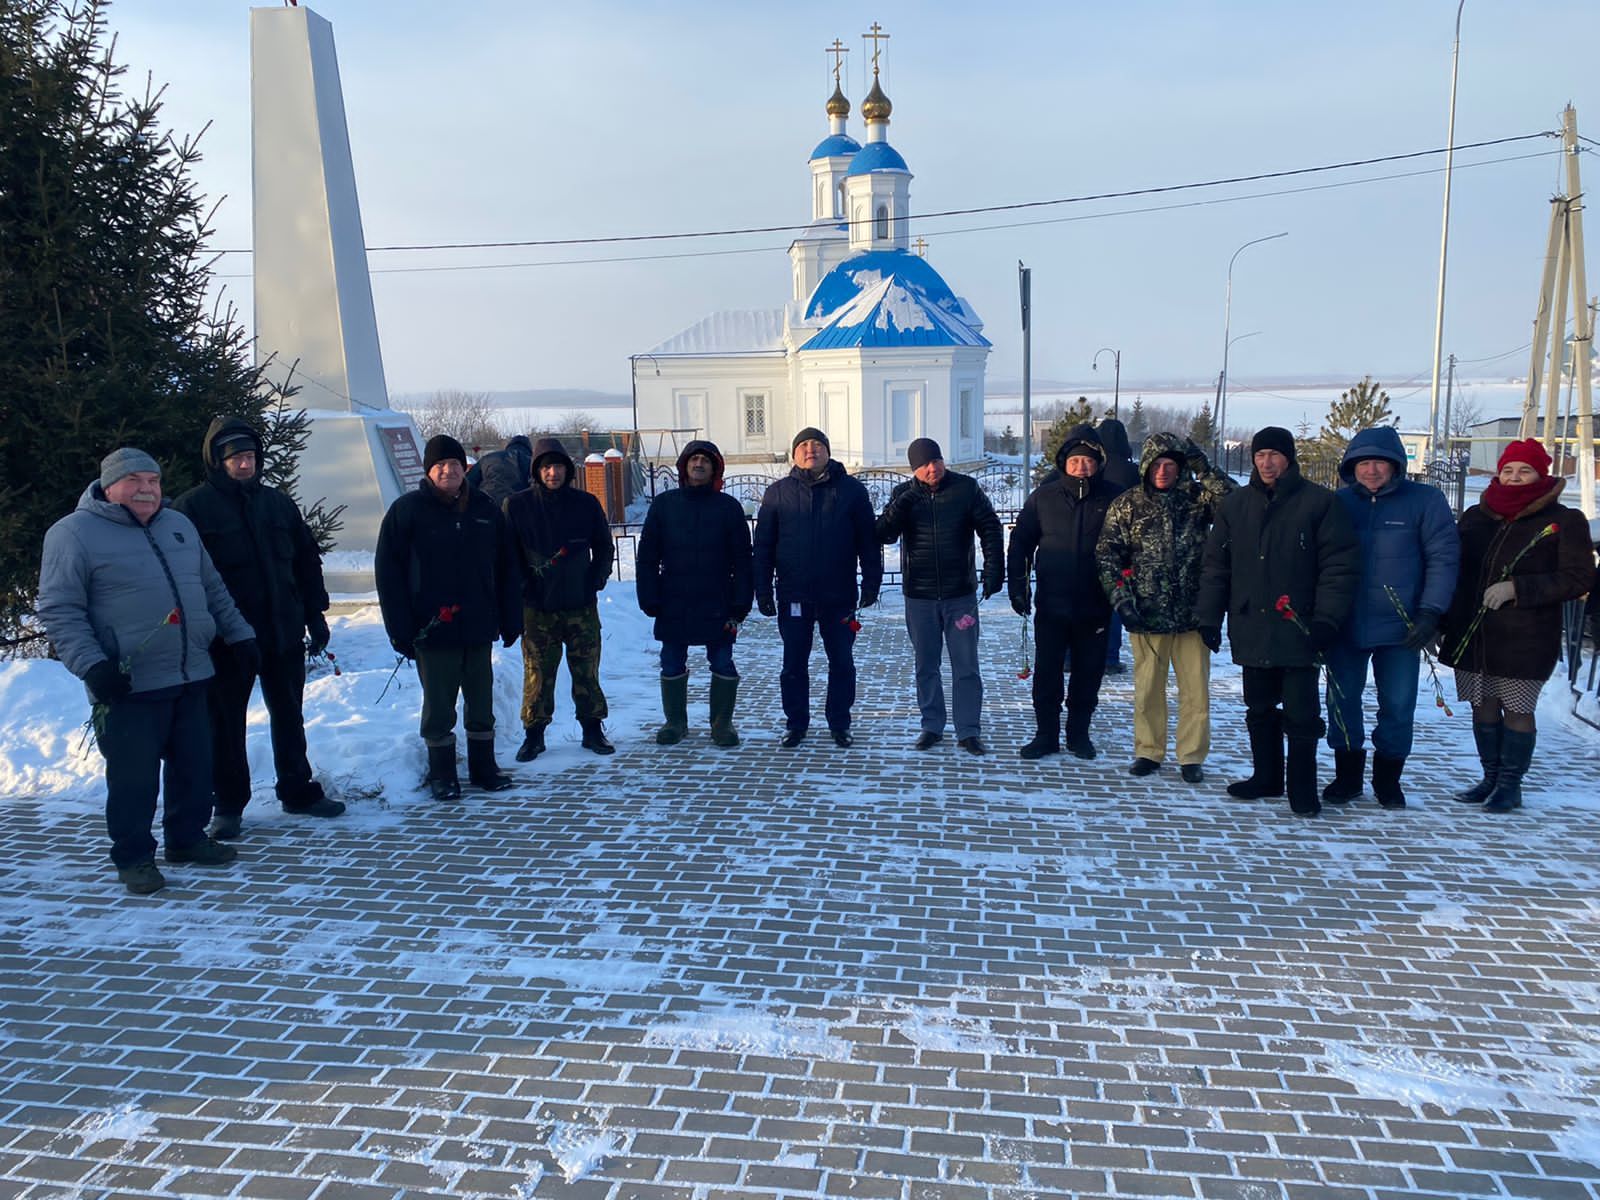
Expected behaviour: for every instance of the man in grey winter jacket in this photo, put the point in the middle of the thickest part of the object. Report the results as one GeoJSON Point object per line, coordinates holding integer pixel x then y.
{"type": "Point", "coordinates": [131, 602]}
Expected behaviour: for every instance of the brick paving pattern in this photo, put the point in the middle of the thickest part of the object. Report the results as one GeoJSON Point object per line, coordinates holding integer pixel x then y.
{"type": "Point", "coordinates": [692, 973]}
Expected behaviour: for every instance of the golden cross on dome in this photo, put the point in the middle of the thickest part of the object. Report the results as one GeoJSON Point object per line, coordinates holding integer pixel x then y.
{"type": "Point", "coordinates": [838, 50]}
{"type": "Point", "coordinates": [921, 246]}
{"type": "Point", "coordinates": [877, 35]}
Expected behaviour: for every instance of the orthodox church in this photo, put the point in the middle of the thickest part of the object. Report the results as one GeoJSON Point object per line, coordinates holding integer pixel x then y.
{"type": "Point", "coordinates": [873, 347]}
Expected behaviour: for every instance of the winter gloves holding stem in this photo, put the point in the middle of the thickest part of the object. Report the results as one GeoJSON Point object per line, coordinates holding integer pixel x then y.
{"type": "Point", "coordinates": [317, 631]}
{"type": "Point", "coordinates": [1498, 595]}
{"type": "Point", "coordinates": [767, 606]}
{"type": "Point", "coordinates": [248, 655]}
{"type": "Point", "coordinates": [107, 682]}
{"type": "Point", "coordinates": [1323, 635]}
{"type": "Point", "coordinates": [1128, 612]}
{"type": "Point", "coordinates": [1211, 637]}
{"type": "Point", "coordinates": [869, 597]}
{"type": "Point", "coordinates": [1423, 630]}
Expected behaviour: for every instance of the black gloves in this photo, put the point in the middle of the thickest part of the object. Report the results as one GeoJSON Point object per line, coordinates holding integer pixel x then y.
{"type": "Point", "coordinates": [404, 646]}
{"type": "Point", "coordinates": [1211, 636]}
{"type": "Point", "coordinates": [767, 606]}
{"type": "Point", "coordinates": [1129, 612]}
{"type": "Point", "coordinates": [317, 629]}
{"type": "Point", "coordinates": [107, 683]}
{"type": "Point", "coordinates": [508, 640]}
{"type": "Point", "coordinates": [248, 655]}
{"type": "Point", "coordinates": [1194, 457]}
{"type": "Point", "coordinates": [869, 597]}
{"type": "Point", "coordinates": [1020, 604]}
{"type": "Point", "coordinates": [991, 586]}
{"type": "Point", "coordinates": [1323, 634]}
{"type": "Point", "coordinates": [1423, 630]}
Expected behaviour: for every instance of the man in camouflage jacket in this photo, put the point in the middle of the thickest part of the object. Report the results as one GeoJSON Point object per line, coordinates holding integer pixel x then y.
{"type": "Point", "coordinates": [1149, 554]}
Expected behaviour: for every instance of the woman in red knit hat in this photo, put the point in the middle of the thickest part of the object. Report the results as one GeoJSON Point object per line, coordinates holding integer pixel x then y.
{"type": "Point", "coordinates": [1523, 555]}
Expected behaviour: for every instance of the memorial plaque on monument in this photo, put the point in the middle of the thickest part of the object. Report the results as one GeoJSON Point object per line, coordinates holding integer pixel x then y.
{"type": "Point", "coordinates": [401, 446]}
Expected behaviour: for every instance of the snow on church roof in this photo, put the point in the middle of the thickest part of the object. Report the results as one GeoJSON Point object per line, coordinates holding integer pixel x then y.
{"type": "Point", "coordinates": [840, 285]}
{"type": "Point", "coordinates": [728, 332]}
{"type": "Point", "coordinates": [887, 312]}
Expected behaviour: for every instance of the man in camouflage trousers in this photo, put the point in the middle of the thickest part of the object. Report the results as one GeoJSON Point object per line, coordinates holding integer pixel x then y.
{"type": "Point", "coordinates": [564, 544]}
{"type": "Point", "coordinates": [1150, 552]}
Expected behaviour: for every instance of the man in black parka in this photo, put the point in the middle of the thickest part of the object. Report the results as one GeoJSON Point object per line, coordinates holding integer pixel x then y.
{"type": "Point", "coordinates": [935, 515]}
{"type": "Point", "coordinates": [1122, 473]}
{"type": "Point", "coordinates": [447, 583]}
{"type": "Point", "coordinates": [1283, 565]}
{"type": "Point", "coordinates": [500, 474]}
{"type": "Point", "coordinates": [268, 558]}
{"type": "Point", "coordinates": [814, 530]}
{"type": "Point", "coordinates": [1055, 536]}
{"type": "Point", "coordinates": [694, 578]}
{"type": "Point", "coordinates": [564, 544]}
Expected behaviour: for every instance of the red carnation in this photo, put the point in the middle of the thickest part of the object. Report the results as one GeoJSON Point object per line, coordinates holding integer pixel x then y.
{"type": "Point", "coordinates": [1285, 607]}
{"type": "Point", "coordinates": [175, 617]}
{"type": "Point", "coordinates": [1127, 572]}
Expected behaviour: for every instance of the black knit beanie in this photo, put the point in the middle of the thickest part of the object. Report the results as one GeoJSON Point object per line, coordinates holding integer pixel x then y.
{"type": "Point", "coordinates": [440, 447]}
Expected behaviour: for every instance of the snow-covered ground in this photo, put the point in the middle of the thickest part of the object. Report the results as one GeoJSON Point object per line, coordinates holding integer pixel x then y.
{"type": "Point", "coordinates": [370, 709]}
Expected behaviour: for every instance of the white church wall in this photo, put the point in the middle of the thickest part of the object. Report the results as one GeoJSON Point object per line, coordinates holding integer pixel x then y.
{"type": "Point", "coordinates": [734, 401]}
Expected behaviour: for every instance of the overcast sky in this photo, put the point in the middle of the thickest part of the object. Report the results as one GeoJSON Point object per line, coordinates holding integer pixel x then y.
{"type": "Point", "coordinates": [522, 119]}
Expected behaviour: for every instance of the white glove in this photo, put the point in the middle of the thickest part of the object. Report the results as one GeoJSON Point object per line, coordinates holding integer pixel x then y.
{"type": "Point", "coordinates": [1500, 594]}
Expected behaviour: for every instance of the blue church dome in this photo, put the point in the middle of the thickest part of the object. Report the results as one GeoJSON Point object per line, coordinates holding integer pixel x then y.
{"type": "Point", "coordinates": [877, 156]}
{"type": "Point", "coordinates": [834, 145]}
{"type": "Point", "coordinates": [842, 284]}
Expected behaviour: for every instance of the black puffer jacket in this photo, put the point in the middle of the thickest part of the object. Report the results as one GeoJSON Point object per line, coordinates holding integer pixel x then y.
{"type": "Point", "coordinates": [260, 544]}
{"type": "Point", "coordinates": [1055, 535]}
{"type": "Point", "coordinates": [562, 537]}
{"type": "Point", "coordinates": [436, 554]}
{"type": "Point", "coordinates": [813, 533]}
{"type": "Point", "coordinates": [500, 474]}
{"type": "Point", "coordinates": [936, 526]}
{"type": "Point", "coordinates": [694, 563]}
{"type": "Point", "coordinates": [1520, 640]}
{"type": "Point", "coordinates": [1291, 540]}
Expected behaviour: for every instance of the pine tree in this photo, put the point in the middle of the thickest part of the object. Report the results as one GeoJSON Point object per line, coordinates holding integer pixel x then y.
{"type": "Point", "coordinates": [1009, 441]}
{"type": "Point", "coordinates": [106, 335]}
{"type": "Point", "coordinates": [1202, 430]}
{"type": "Point", "coordinates": [1361, 407]}
{"type": "Point", "coordinates": [1138, 425]}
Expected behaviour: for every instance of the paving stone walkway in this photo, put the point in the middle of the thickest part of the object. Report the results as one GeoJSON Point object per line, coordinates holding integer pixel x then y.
{"type": "Point", "coordinates": [691, 973]}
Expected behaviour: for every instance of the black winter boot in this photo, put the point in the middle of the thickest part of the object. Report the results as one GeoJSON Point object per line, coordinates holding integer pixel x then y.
{"type": "Point", "coordinates": [1348, 768]}
{"type": "Point", "coordinates": [1266, 759]}
{"type": "Point", "coordinates": [1487, 739]}
{"type": "Point", "coordinates": [1302, 777]}
{"type": "Point", "coordinates": [1516, 753]}
{"type": "Point", "coordinates": [482, 770]}
{"type": "Point", "coordinates": [442, 781]}
{"type": "Point", "coordinates": [724, 691]}
{"type": "Point", "coordinates": [1386, 781]}
{"type": "Point", "coordinates": [594, 736]}
{"type": "Point", "coordinates": [675, 707]}
{"type": "Point", "coordinates": [532, 744]}
{"type": "Point", "coordinates": [1045, 742]}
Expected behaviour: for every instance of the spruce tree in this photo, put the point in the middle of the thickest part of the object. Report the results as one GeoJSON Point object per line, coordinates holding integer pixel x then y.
{"type": "Point", "coordinates": [1361, 407]}
{"type": "Point", "coordinates": [107, 338]}
{"type": "Point", "coordinates": [1203, 430]}
{"type": "Point", "coordinates": [1081, 413]}
{"type": "Point", "coordinates": [1138, 425]}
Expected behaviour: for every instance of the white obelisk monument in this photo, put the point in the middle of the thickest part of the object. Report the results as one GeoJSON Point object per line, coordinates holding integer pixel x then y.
{"type": "Point", "coordinates": [313, 296]}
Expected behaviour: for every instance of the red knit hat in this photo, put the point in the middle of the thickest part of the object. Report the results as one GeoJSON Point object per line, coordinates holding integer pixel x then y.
{"type": "Point", "coordinates": [1529, 451]}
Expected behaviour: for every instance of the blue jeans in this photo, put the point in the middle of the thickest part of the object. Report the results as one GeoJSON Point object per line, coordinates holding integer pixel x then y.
{"type": "Point", "coordinates": [719, 656]}
{"type": "Point", "coordinates": [935, 626]}
{"type": "Point", "coordinates": [838, 642]}
{"type": "Point", "coordinates": [1394, 676]}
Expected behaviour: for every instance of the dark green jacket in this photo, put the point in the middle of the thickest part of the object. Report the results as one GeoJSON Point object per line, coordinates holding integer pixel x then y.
{"type": "Point", "coordinates": [1161, 537]}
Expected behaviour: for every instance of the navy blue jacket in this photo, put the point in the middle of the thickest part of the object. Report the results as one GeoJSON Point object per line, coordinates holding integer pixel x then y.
{"type": "Point", "coordinates": [693, 562]}
{"type": "Point", "coordinates": [813, 533]}
{"type": "Point", "coordinates": [1408, 541]}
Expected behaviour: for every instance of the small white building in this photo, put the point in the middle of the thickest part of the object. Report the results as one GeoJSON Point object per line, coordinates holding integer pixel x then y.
{"type": "Point", "coordinates": [873, 347]}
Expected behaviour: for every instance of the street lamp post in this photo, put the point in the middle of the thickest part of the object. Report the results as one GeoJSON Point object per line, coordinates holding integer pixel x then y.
{"type": "Point", "coordinates": [1116, 383]}
{"type": "Point", "coordinates": [1444, 241]}
{"type": "Point", "coordinates": [1227, 322]}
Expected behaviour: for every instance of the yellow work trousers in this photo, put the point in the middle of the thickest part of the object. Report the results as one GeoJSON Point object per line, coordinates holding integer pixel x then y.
{"type": "Point", "coordinates": [1189, 659]}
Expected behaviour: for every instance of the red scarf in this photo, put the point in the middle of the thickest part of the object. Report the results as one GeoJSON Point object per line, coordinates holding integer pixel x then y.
{"type": "Point", "coordinates": [1510, 500]}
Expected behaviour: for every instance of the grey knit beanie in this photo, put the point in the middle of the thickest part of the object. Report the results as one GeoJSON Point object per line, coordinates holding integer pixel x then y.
{"type": "Point", "coordinates": [123, 462]}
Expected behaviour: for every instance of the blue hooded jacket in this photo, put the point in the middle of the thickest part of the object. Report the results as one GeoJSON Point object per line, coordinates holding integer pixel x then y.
{"type": "Point", "coordinates": [1408, 542]}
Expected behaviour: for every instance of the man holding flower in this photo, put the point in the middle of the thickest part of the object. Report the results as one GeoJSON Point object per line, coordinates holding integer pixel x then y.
{"type": "Point", "coordinates": [131, 603]}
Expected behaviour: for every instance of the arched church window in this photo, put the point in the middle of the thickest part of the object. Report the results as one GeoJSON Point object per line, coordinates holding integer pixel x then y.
{"type": "Point", "coordinates": [880, 228]}
{"type": "Point", "coordinates": [838, 199]}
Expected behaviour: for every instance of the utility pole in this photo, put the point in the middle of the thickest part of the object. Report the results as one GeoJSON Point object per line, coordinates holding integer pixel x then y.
{"type": "Point", "coordinates": [1025, 289]}
{"type": "Point", "coordinates": [1444, 237]}
{"type": "Point", "coordinates": [1449, 389]}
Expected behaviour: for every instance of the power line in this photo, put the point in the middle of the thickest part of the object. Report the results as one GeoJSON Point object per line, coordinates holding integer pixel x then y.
{"type": "Point", "coordinates": [957, 212]}
{"type": "Point", "coordinates": [1094, 216]}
